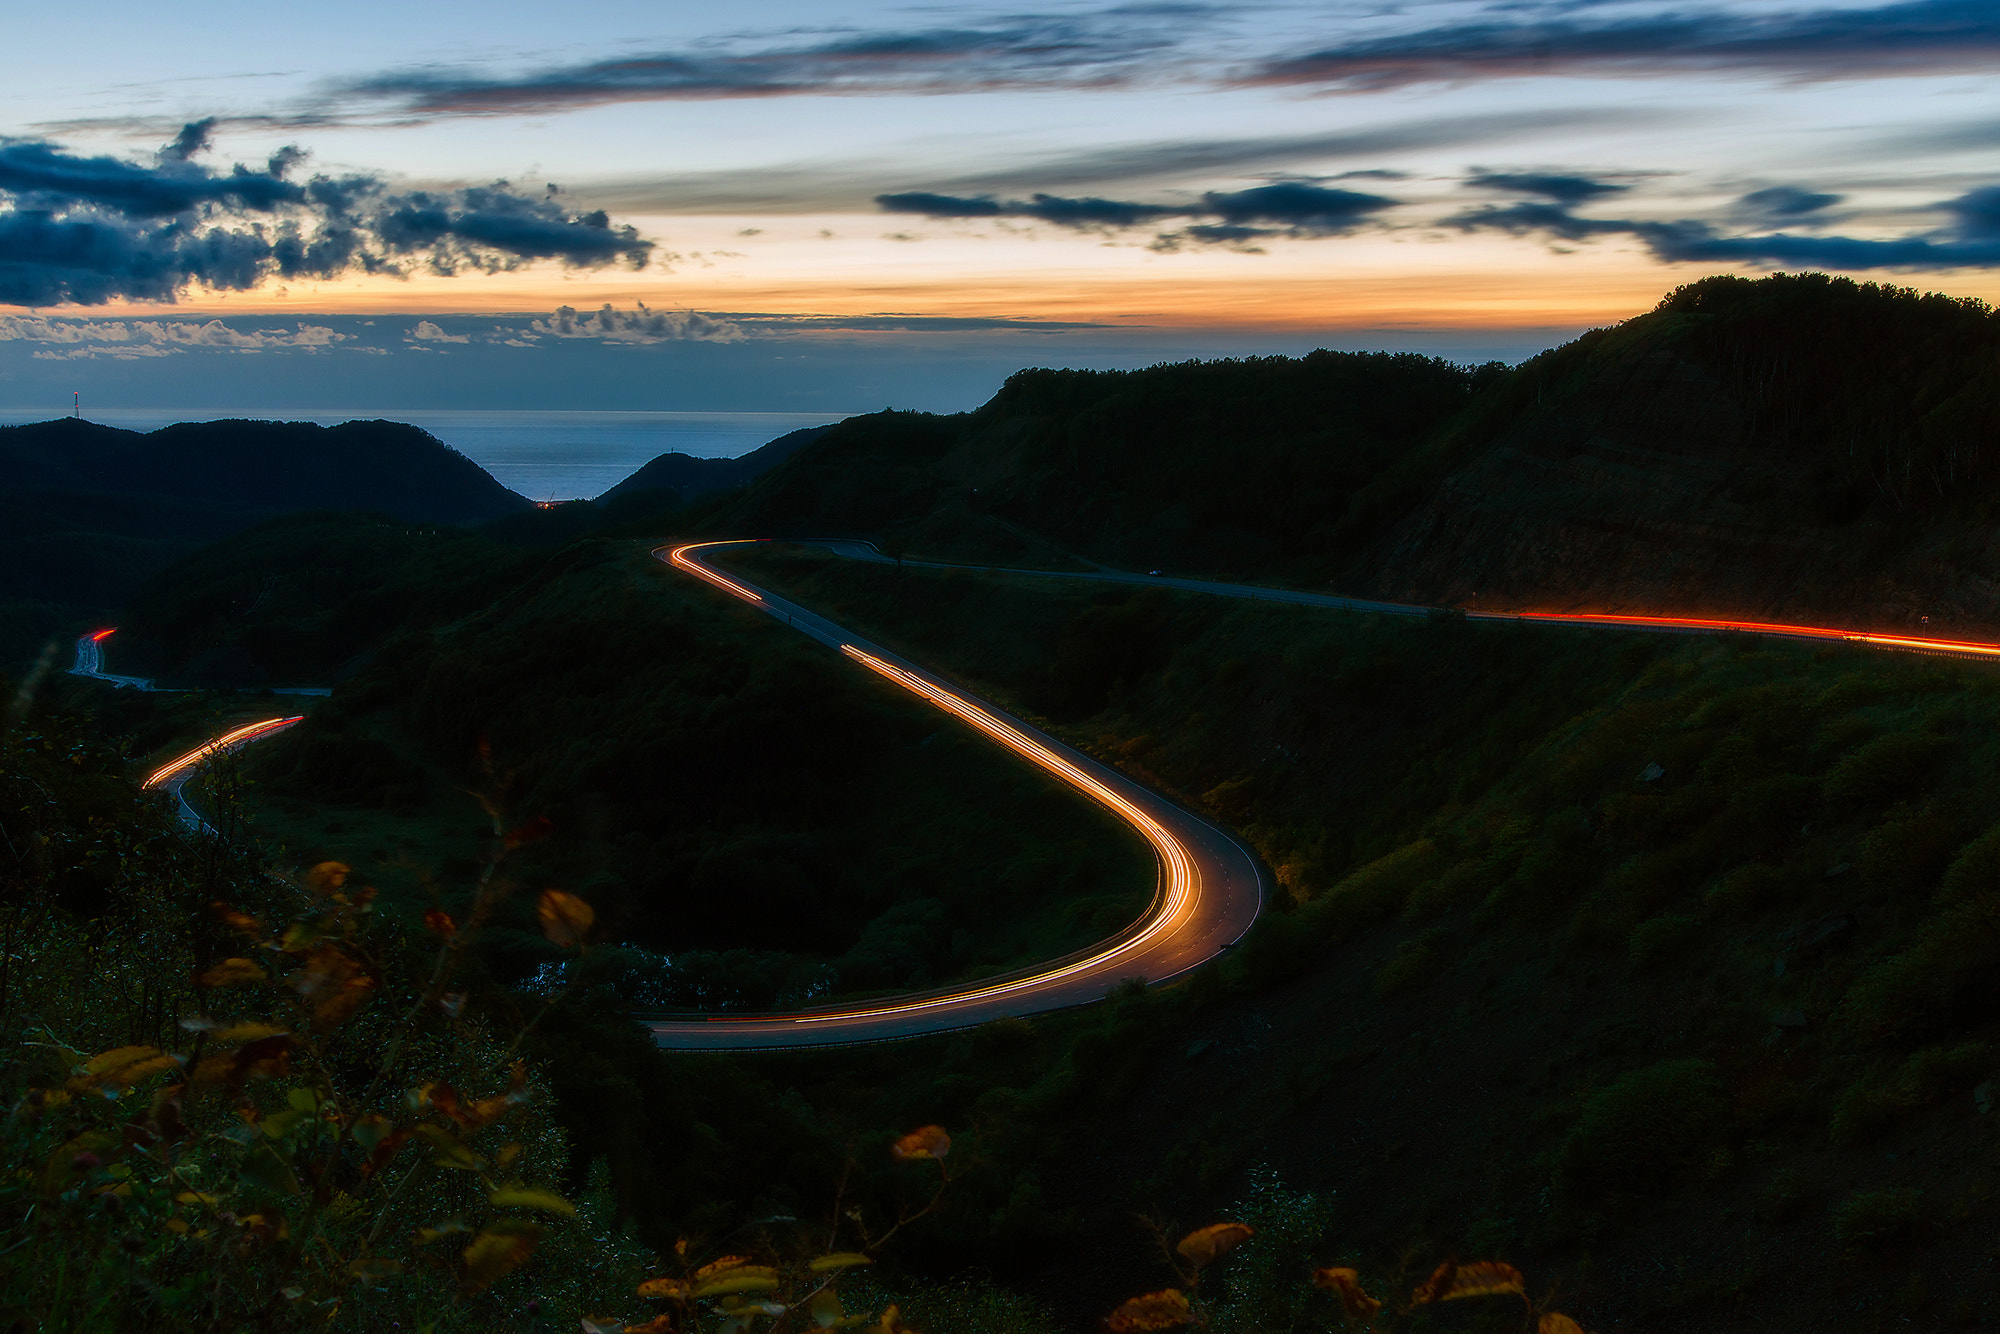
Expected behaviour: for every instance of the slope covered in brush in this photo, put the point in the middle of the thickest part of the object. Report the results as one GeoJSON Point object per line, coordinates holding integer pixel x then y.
{"type": "Point", "coordinates": [1795, 446]}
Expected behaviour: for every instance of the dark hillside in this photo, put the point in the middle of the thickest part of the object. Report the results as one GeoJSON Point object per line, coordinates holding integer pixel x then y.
{"type": "Point", "coordinates": [1795, 447]}
{"type": "Point", "coordinates": [1792, 448]}
{"type": "Point", "coordinates": [690, 477]}
{"type": "Point", "coordinates": [88, 513]}
{"type": "Point", "coordinates": [715, 788]}
{"type": "Point", "coordinates": [302, 599]}
{"type": "Point", "coordinates": [1661, 966]}
{"type": "Point", "coordinates": [257, 465]}
{"type": "Point", "coordinates": [1246, 468]}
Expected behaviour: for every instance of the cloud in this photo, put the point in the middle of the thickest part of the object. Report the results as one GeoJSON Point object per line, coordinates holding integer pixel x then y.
{"type": "Point", "coordinates": [1972, 241]}
{"type": "Point", "coordinates": [1033, 51]}
{"type": "Point", "coordinates": [124, 340]}
{"type": "Point", "coordinates": [1300, 209]}
{"type": "Point", "coordinates": [1786, 201]}
{"type": "Point", "coordinates": [1082, 214]}
{"type": "Point", "coordinates": [1912, 37]}
{"type": "Point", "coordinates": [1283, 208]}
{"type": "Point", "coordinates": [427, 332]}
{"type": "Point", "coordinates": [822, 186]}
{"type": "Point", "coordinates": [85, 230]}
{"type": "Point", "coordinates": [643, 325]}
{"type": "Point", "coordinates": [1563, 189]}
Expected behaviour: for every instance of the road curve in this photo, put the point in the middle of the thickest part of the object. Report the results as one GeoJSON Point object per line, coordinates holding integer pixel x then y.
{"type": "Point", "coordinates": [1210, 888]}
{"type": "Point", "coordinates": [855, 549]}
{"type": "Point", "coordinates": [172, 777]}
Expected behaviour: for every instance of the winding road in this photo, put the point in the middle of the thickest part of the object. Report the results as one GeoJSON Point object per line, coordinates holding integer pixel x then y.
{"type": "Point", "coordinates": [1210, 888]}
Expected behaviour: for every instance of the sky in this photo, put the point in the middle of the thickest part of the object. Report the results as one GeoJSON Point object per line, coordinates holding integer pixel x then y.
{"type": "Point", "coordinates": [782, 206]}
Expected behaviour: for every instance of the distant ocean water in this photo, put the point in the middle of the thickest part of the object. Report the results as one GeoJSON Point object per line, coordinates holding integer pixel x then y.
{"type": "Point", "coordinates": [542, 455]}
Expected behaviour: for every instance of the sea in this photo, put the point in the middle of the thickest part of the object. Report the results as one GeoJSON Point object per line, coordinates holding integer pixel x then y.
{"type": "Point", "coordinates": [541, 455]}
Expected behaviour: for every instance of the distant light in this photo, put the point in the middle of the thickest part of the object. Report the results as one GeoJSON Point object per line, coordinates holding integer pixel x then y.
{"type": "Point", "coordinates": [102, 635]}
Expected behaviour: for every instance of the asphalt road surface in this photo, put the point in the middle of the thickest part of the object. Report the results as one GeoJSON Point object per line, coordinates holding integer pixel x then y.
{"type": "Point", "coordinates": [1201, 910]}
{"type": "Point", "coordinates": [1210, 888]}
{"type": "Point", "coordinates": [172, 777]}
{"type": "Point", "coordinates": [89, 662]}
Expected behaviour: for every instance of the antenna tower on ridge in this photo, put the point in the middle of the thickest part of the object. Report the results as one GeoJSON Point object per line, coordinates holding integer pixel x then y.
{"type": "Point", "coordinates": [76, 408]}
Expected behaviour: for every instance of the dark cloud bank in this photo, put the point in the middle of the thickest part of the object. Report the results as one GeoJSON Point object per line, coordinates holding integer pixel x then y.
{"type": "Point", "coordinates": [1307, 210]}
{"type": "Point", "coordinates": [1284, 208]}
{"type": "Point", "coordinates": [1005, 52]}
{"type": "Point", "coordinates": [86, 230]}
{"type": "Point", "coordinates": [1124, 44]}
{"type": "Point", "coordinates": [1915, 37]}
{"type": "Point", "coordinates": [1971, 239]}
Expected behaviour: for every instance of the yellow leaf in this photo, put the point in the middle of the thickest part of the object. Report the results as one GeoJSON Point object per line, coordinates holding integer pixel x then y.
{"type": "Point", "coordinates": [1167, 1309]}
{"type": "Point", "coordinates": [117, 1059]}
{"type": "Point", "coordinates": [743, 1278]}
{"type": "Point", "coordinates": [891, 1323]}
{"type": "Point", "coordinates": [526, 1197]}
{"type": "Point", "coordinates": [1206, 1245]}
{"type": "Point", "coordinates": [1555, 1322]}
{"type": "Point", "coordinates": [1353, 1298]}
{"type": "Point", "coordinates": [741, 1306]}
{"type": "Point", "coordinates": [839, 1260]}
{"type": "Point", "coordinates": [565, 918]}
{"type": "Point", "coordinates": [498, 1251]}
{"type": "Point", "coordinates": [664, 1289]}
{"type": "Point", "coordinates": [327, 877]}
{"type": "Point", "coordinates": [451, 1151]}
{"type": "Point", "coordinates": [426, 1235]}
{"type": "Point", "coordinates": [714, 1267]}
{"type": "Point", "coordinates": [1483, 1278]}
{"type": "Point", "coordinates": [138, 1070]}
{"type": "Point", "coordinates": [659, 1324]}
{"type": "Point", "coordinates": [926, 1142]}
{"type": "Point", "coordinates": [231, 973]}
{"type": "Point", "coordinates": [237, 1034]}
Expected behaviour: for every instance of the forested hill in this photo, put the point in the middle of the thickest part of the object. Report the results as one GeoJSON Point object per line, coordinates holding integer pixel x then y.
{"type": "Point", "coordinates": [1248, 467]}
{"type": "Point", "coordinates": [89, 512]}
{"type": "Point", "coordinates": [1793, 446]}
{"type": "Point", "coordinates": [688, 477]}
{"type": "Point", "coordinates": [262, 466]}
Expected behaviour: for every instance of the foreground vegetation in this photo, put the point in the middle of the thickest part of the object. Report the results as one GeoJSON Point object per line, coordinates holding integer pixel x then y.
{"type": "Point", "coordinates": [1586, 941]}
{"type": "Point", "coordinates": [1659, 967]}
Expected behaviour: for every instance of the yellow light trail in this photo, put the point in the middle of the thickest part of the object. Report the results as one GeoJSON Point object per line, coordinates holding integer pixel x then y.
{"type": "Point", "coordinates": [247, 732]}
{"type": "Point", "coordinates": [1966, 646]}
{"type": "Point", "coordinates": [1175, 905]}
{"type": "Point", "coordinates": [695, 567]}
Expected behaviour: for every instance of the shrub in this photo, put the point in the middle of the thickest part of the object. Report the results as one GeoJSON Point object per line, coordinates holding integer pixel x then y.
{"type": "Point", "coordinates": [1939, 1072]}
{"type": "Point", "coordinates": [1749, 887]}
{"type": "Point", "coordinates": [1377, 890]}
{"type": "Point", "coordinates": [1416, 961]}
{"type": "Point", "coordinates": [1976, 867]}
{"type": "Point", "coordinates": [1653, 943]}
{"type": "Point", "coordinates": [1873, 1220]}
{"type": "Point", "coordinates": [1866, 1110]}
{"type": "Point", "coordinates": [1886, 768]}
{"type": "Point", "coordinates": [1949, 970]}
{"type": "Point", "coordinates": [1641, 1132]}
{"type": "Point", "coordinates": [1787, 1194]}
